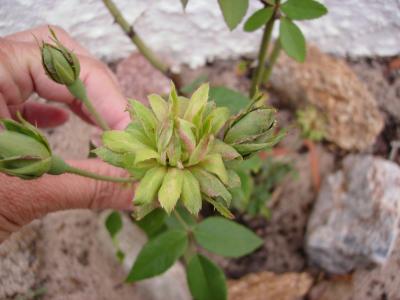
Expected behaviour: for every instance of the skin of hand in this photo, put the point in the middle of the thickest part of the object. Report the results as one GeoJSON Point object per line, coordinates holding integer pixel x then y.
{"type": "Point", "coordinates": [21, 74]}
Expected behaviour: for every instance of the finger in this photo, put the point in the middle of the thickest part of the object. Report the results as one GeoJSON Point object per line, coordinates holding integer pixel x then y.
{"type": "Point", "coordinates": [24, 201]}
{"type": "Point", "coordinates": [41, 33]}
{"type": "Point", "coordinates": [4, 113]}
{"type": "Point", "coordinates": [21, 73]}
{"type": "Point", "coordinates": [40, 114]}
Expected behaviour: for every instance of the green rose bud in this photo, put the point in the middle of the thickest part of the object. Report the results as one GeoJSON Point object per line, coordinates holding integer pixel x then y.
{"type": "Point", "coordinates": [25, 152]}
{"type": "Point", "coordinates": [60, 64]}
{"type": "Point", "coordinates": [253, 130]}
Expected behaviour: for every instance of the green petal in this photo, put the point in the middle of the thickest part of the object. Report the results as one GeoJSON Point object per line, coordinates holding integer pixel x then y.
{"type": "Point", "coordinates": [233, 180]}
{"type": "Point", "coordinates": [191, 196]}
{"type": "Point", "coordinates": [216, 120]}
{"type": "Point", "coordinates": [171, 189]}
{"type": "Point", "coordinates": [164, 134]}
{"type": "Point", "coordinates": [149, 186]}
{"type": "Point", "coordinates": [173, 101]}
{"type": "Point", "coordinates": [145, 116]}
{"type": "Point", "coordinates": [136, 129]}
{"type": "Point", "coordinates": [210, 185]}
{"type": "Point", "coordinates": [120, 141]}
{"type": "Point", "coordinates": [186, 134]}
{"type": "Point", "coordinates": [174, 151]}
{"type": "Point", "coordinates": [145, 154]}
{"type": "Point", "coordinates": [253, 123]}
{"type": "Point", "coordinates": [213, 163]}
{"type": "Point", "coordinates": [159, 106]}
{"type": "Point", "coordinates": [201, 150]}
{"type": "Point", "coordinates": [197, 102]}
{"type": "Point", "coordinates": [227, 152]}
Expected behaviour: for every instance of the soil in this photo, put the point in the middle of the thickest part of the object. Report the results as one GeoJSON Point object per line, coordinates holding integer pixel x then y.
{"type": "Point", "coordinates": [283, 235]}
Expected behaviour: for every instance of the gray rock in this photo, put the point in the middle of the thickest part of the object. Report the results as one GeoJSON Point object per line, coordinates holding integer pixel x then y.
{"type": "Point", "coordinates": [355, 220]}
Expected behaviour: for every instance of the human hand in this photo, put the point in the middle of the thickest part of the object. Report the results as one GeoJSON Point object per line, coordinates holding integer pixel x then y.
{"type": "Point", "coordinates": [21, 74]}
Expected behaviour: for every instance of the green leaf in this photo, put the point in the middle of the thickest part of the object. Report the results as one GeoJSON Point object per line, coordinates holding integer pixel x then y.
{"type": "Point", "coordinates": [191, 87]}
{"type": "Point", "coordinates": [205, 279]}
{"type": "Point", "coordinates": [115, 159]}
{"type": "Point", "coordinates": [231, 99]}
{"type": "Point", "coordinates": [149, 186]}
{"type": "Point", "coordinates": [191, 196]}
{"type": "Point", "coordinates": [233, 11]}
{"type": "Point", "coordinates": [114, 223]}
{"type": "Point", "coordinates": [145, 154]}
{"type": "Point", "coordinates": [153, 223]}
{"type": "Point", "coordinates": [292, 40]}
{"type": "Point", "coordinates": [158, 255]}
{"type": "Point", "coordinates": [225, 237]}
{"type": "Point", "coordinates": [303, 9]}
{"type": "Point", "coordinates": [171, 189]}
{"type": "Point", "coordinates": [258, 19]}
{"type": "Point", "coordinates": [173, 223]}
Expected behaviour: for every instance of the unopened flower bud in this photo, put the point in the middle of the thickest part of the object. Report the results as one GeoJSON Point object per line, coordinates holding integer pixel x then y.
{"type": "Point", "coordinates": [24, 151]}
{"type": "Point", "coordinates": [253, 131]}
{"type": "Point", "coordinates": [60, 64]}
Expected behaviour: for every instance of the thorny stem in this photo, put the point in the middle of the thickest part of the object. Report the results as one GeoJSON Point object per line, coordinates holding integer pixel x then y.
{"type": "Point", "coordinates": [271, 61]}
{"type": "Point", "coordinates": [88, 174]}
{"type": "Point", "coordinates": [139, 43]}
{"type": "Point", "coordinates": [79, 91]}
{"type": "Point", "coordinates": [263, 51]}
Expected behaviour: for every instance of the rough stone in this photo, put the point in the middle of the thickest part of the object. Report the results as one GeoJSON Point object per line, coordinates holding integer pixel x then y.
{"type": "Point", "coordinates": [386, 92]}
{"type": "Point", "coordinates": [355, 220]}
{"type": "Point", "coordinates": [284, 232]}
{"type": "Point", "coordinates": [138, 78]}
{"type": "Point", "coordinates": [266, 285]}
{"type": "Point", "coordinates": [351, 112]}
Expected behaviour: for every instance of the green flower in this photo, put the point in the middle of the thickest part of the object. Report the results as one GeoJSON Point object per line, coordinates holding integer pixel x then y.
{"type": "Point", "coordinates": [60, 64]}
{"type": "Point", "coordinates": [24, 151]}
{"type": "Point", "coordinates": [174, 148]}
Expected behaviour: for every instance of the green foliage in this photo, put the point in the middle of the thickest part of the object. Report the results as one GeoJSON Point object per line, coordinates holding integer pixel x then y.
{"type": "Point", "coordinates": [303, 9]}
{"type": "Point", "coordinates": [225, 97]}
{"type": "Point", "coordinates": [114, 223]}
{"type": "Point", "coordinates": [225, 237]}
{"type": "Point", "coordinates": [312, 123]}
{"type": "Point", "coordinates": [258, 181]}
{"type": "Point", "coordinates": [205, 279]}
{"type": "Point", "coordinates": [158, 255]}
{"type": "Point", "coordinates": [292, 40]}
{"type": "Point", "coordinates": [258, 19]}
{"type": "Point", "coordinates": [233, 11]}
{"type": "Point", "coordinates": [153, 223]}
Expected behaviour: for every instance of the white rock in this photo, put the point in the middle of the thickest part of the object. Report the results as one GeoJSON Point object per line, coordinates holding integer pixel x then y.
{"type": "Point", "coordinates": [355, 219]}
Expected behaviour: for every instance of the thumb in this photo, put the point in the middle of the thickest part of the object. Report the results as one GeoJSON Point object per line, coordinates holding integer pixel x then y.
{"type": "Point", "coordinates": [22, 201]}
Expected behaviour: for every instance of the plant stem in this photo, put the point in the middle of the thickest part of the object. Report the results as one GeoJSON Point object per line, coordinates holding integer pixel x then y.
{"type": "Point", "coordinates": [271, 61]}
{"type": "Point", "coordinates": [88, 174]}
{"type": "Point", "coordinates": [139, 43]}
{"type": "Point", "coordinates": [181, 220]}
{"type": "Point", "coordinates": [79, 91]}
{"type": "Point", "coordinates": [263, 51]}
